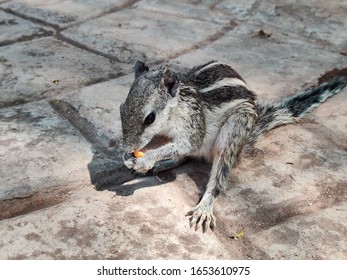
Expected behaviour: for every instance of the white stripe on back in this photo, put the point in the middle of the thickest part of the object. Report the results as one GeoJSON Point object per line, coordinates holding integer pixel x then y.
{"type": "Point", "coordinates": [226, 82]}
{"type": "Point", "coordinates": [208, 66]}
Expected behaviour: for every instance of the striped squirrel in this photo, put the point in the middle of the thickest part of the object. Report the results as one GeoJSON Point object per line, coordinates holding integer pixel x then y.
{"type": "Point", "coordinates": [209, 112]}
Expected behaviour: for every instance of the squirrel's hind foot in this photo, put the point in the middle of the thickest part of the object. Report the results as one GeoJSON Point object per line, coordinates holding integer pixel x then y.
{"type": "Point", "coordinates": [202, 216]}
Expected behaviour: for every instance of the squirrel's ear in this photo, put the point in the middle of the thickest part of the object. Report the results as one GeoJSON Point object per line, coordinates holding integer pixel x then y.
{"type": "Point", "coordinates": [139, 68]}
{"type": "Point", "coordinates": [170, 82]}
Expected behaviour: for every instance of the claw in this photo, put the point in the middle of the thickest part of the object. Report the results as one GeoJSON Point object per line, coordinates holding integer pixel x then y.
{"type": "Point", "coordinates": [206, 224]}
{"type": "Point", "coordinates": [213, 223]}
{"type": "Point", "coordinates": [190, 222]}
{"type": "Point", "coordinates": [194, 219]}
{"type": "Point", "coordinates": [201, 217]}
{"type": "Point", "coordinates": [202, 220]}
{"type": "Point", "coordinates": [189, 213]}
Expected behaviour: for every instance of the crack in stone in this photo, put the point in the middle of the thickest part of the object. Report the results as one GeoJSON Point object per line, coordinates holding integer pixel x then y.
{"type": "Point", "coordinates": [20, 206]}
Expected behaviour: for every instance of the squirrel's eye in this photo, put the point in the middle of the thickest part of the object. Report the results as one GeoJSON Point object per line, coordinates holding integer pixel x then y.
{"type": "Point", "coordinates": [150, 119]}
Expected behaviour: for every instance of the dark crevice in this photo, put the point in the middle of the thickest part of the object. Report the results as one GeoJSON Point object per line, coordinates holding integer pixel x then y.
{"type": "Point", "coordinates": [20, 206]}
{"type": "Point", "coordinates": [30, 18]}
{"type": "Point", "coordinates": [87, 129]}
{"type": "Point", "coordinates": [216, 36]}
{"type": "Point", "coordinates": [18, 102]}
{"type": "Point", "coordinates": [58, 29]}
{"type": "Point", "coordinates": [111, 76]}
{"type": "Point", "coordinates": [42, 33]}
{"type": "Point", "coordinates": [76, 44]}
{"type": "Point", "coordinates": [331, 74]}
{"type": "Point", "coordinates": [86, 48]}
{"type": "Point", "coordinates": [106, 168]}
{"type": "Point", "coordinates": [56, 26]}
{"type": "Point", "coordinates": [269, 216]}
{"type": "Point", "coordinates": [127, 5]}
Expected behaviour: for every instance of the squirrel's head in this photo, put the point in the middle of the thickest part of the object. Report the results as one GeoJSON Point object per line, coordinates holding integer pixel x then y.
{"type": "Point", "coordinates": [148, 108]}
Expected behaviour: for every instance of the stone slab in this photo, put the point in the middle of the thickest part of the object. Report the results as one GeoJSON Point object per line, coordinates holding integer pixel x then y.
{"type": "Point", "coordinates": [13, 29]}
{"type": "Point", "coordinates": [100, 225]}
{"type": "Point", "coordinates": [63, 13]}
{"type": "Point", "coordinates": [319, 235]}
{"type": "Point", "coordinates": [316, 20]}
{"type": "Point", "coordinates": [46, 67]}
{"type": "Point", "coordinates": [202, 11]}
{"type": "Point", "coordinates": [39, 150]}
{"type": "Point", "coordinates": [239, 9]}
{"type": "Point", "coordinates": [100, 103]}
{"type": "Point", "coordinates": [136, 34]}
{"type": "Point", "coordinates": [323, 22]}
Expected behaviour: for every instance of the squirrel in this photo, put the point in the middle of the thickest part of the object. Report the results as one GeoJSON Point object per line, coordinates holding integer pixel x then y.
{"type": "Point", "coordinates": [208, 112]}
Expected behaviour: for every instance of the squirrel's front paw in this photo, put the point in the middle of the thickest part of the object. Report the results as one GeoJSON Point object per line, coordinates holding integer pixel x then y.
{"type": "Point", "coordinates": [202, 216]}
{"type": "Point", "coordinates": [142, 165]}
{"type": "Point", "coordinates": [128, 160]}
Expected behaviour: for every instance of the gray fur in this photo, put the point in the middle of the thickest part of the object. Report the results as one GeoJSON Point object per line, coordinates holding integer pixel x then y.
{"type": "Point", "coordinates": [207, 112]}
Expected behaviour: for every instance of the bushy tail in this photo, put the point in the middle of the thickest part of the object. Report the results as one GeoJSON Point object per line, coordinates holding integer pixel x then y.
{"type": "Point", "coordinates": [291, 109]}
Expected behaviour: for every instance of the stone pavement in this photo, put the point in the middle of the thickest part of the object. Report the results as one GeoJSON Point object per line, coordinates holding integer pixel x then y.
{"type": "Point", "coordinates": [65, 67]}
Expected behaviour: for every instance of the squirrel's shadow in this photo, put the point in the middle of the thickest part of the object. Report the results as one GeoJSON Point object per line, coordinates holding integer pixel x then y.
{"type": "Point", "coordinates": [107, 172]}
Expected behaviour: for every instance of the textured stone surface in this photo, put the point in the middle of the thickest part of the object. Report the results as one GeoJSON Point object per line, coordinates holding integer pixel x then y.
{"type": "Point", "coordinates": [151, 37]}
{"type": "Point", "coordinates": [240, 9]}
{"type": "Point", "coordinates": [62, 13]}
{"type": "Point", "coordinates": [319, 21]}
{"type": "Point", "coordinates": [306, 237]}
{"type": "Point", "coordinates": [64, 193]}
{"type": "Point", "coordinates": [322, 22]}
{"type": "Point", "coordinates": [100, 103]}
{"type": "Point", "coordinates": [98, 225]}
{"type": "Point", "coordinates": [187, 9]}
{"type": "Point", "coordinates": [39, 150]}
{"type": "Point", "coordinates": [46, 67]}
{"type": "Point", "coordinates": [14, 29]}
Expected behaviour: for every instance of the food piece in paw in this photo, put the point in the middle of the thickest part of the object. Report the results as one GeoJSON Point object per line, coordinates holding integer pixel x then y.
{"type": "Point", "coordinates": [139, 154]}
